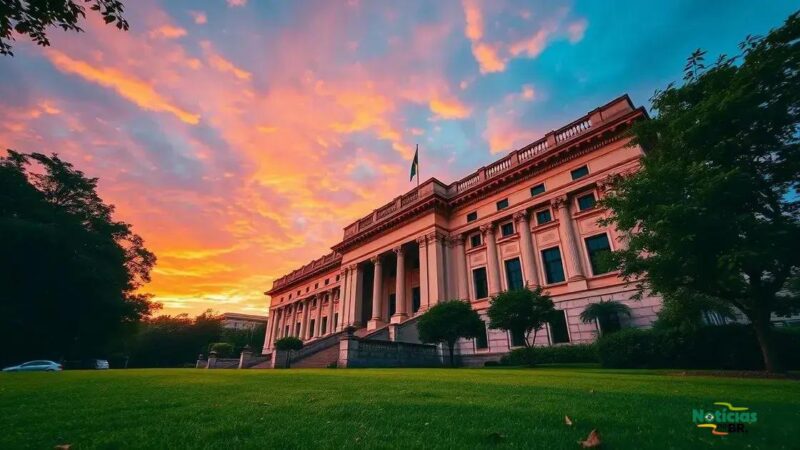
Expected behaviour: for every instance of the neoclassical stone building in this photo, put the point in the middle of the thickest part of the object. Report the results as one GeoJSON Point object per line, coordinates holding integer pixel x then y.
{"type": "Point", "coordinates": [528, 219]}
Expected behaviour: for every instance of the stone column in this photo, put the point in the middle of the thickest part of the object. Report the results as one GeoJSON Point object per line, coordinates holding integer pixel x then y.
{"type": "Point", "coordinates": [329, 327]}
{"type": "Point", "coordinates": [423, 273]}
{"type": "Point", "coordinates": [355, 297]}
{"type": "Point", "coordinates": [377, 289]}
{"type": "Point", "coordinates": [401, 305]}
{"type": "Point", "coordinates": [569, 244]}
{"type": "Point", "coordinates": [492, 265]}
{"type": "Point", "coordinates": [304, 324]}
{"type": "Point", "coordinates": [528, 253]}
{"type": "Point", "coordinates": [437, 287]}
{"type": "Point", "coordinates": [318, 321]}
{"type": "Point", "coordinates": [293, 324]}
{"type": "Point", "coordinates": [270, 330]}
{"type": "Point", "coordinates": [461, 268]}
{"type": "Point", "coordinates": [342, 299]}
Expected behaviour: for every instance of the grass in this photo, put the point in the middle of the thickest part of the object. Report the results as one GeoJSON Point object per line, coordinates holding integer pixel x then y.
{"type": "Point", "coordinates": [389, 408]}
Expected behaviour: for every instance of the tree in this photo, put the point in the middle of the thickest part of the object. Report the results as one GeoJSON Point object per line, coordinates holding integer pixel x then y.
{"type": "Point", "coordinates": [70, 272]}
{"type": "Point", "coordinates": [606, 314]}
{"type": "Point", "coordinates": [173, 341]}
{"type": "Point", "coordinates": [713, 211]}
{"type": "Point", "coordinates": [687, 313]}
{"type": "Point", "coordinates": [288, 344]}
{"type": "Point", "coordinates": [521, 312]}
{"type": "Point", "coordinates": [33, 17]}
{"type": "Point", "coordinates": [449, 321]}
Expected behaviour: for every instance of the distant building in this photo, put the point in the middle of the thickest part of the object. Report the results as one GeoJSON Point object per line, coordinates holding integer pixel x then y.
{"type": "Point", "coordinates": [239, 321]}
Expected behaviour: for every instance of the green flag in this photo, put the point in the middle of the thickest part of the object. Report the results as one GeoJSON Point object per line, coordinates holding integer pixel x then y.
{"type": "Point", "coordinates": [415, 164]}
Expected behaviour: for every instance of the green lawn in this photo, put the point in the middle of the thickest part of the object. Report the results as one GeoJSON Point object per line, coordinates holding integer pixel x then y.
{"type": "Point", "coordinates": [389, 408]}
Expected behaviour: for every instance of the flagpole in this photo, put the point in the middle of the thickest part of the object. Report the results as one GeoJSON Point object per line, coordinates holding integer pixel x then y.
{"type": "Point", "coordinates": [417, 152]}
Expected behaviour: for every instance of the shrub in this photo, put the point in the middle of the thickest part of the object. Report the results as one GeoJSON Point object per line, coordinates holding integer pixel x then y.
{"type": "Point", "coordinates": [223, 349]}
{"type": "Point", "coordinates": [559, 354]}
{"type": "Point", "coordinates": [289, 343]}
{"type": "Point", "coordinates": [730, 347]}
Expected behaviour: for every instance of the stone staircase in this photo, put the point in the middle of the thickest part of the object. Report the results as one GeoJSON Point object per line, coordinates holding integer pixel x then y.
{"type": "Point", "coordinates": [320, 359]}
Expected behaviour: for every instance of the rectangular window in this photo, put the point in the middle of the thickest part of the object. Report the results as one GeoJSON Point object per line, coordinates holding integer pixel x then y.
{"type": "Point", "coordinates": [316, 285]}
{"type": "Point", "coordinates": [482, 341]}
{"type": "Point", "coordinates": [286, 331]}
{"type": "Point", "coordinates": [543, 217]}
{"type": "Point", "coordinates": [327, 281]}
{"type": "Point", "coordinates": [514, 274]}
{"type": "Point", "coordinates": [538, 189]}
{"type": "Point", "coordinates": [392, 304]}
{"type": "Point", "coordinates": [517, 339]}
{"type": "Point", "coordinates": [475, 240]}
{"type": "Point", "coordinates": [507, 229]}
{"type": "Point", "coordinates": [553, 270]}
{"type": "Point", "coordinates": [473, 216]}
{"type": "Point", "coordinates": [599, 253]}
{"type": "Point", "coordinates": [290, 296]}
{"type": "Point", "coordinates": [580, 172]}
{"type": "Point", "coordinates": [479, 281]}
{"type": "Point", "coordinates": [586, 202]}
{"type": "Point", "coordinates": [558, 327]}
{"type": "Point", "coordinates": [502, 204]}
{"type": "Point", "coordinates": [336, 321]}
{"type": "Point", "coordinates": [337, 277]}
{"type": "Point", "coordinates": [415, 299]}
{"type": "Point", "coordinates": [324, 325]}
{"type": "Point", "coordinates": [311, 328]}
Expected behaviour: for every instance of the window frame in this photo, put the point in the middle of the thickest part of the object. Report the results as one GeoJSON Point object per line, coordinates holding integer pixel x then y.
{"type": "Point", "coordinates": [474, 287]}
{"type": "Point", "coordinates": [589, 256]}
{"type": "Point", "coordinates": [544, 189]}
{"type": "Point", "coordinates": [536, 216]}
{"type": "Point", "coordinates": [473, 219]}
{"type": "Point", "coordinates": [503, 235]}
{"type": "Point", "coordinates": [544, 265]}
{"type": "Point", "coordinates": [578, 198]}
{"type": "Point", "coordinates": [471, 242]}
{"type": "Point", "coordinates": [566, 327]}
{"type": "Point", "coordinates": [521, 272]}
{"type": "Point", "coordinates": [572, 172]}
{"type": "Point", "coordinates": [500, 208]}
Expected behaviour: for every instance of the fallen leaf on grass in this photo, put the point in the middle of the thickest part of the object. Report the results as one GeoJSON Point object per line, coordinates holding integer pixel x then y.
{"type": "Point", "coordinates": [592, 441]}
{"type": "Point", "coordinates": [568, 421]}
{"type": "Point", "coordinates": [63, 447]}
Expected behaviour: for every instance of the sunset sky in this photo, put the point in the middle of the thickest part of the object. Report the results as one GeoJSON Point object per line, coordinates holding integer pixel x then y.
{"type": "Point", "coordinates": [239, 137]}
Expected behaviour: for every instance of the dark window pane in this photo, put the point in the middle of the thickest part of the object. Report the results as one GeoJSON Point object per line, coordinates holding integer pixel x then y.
{"type": "Point", "coordinates": [586, 202]}
{"type": "Point", "coordinates": [415, 299]}
{"type": "Point", "coordinates": [482, 341]}
{"type": "Point", "coordinates": [543, 217]}
{"type": "Point", "coordinates": [517, 339]}
{"type": "Point", "coordinates": [479, 279]}
{"type": "Point", "coordinates": [558, 328]}
{"type": "Point", "coordinates": [475, 240]}
{"type": "Point", "coordinates": [392, 304]}
{"type": "Point", "coordinates": [553, 270]}
{"type": "Point", "coordinates": [472, 216]}
{"type": "Point", "coordinates": [324, 326]}
{"type": "Point", "coordinates": [514, 274]}
{"type": "Point", "coordinates": [502, 204]}
{"type": "Point", "coordinates": [599, 253]}
{"type": "Point", "coordinates": [335, 321]}
{"type": "Point", "coordinates": [581, 171]}
{"type": "Point", "coordinates": [538, 189]}
{"type": "Point", "coordinates": [507, 229]}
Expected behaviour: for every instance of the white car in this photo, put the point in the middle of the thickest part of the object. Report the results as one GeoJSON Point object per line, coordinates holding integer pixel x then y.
{"type": "Point", "coordinates": [35, 366]}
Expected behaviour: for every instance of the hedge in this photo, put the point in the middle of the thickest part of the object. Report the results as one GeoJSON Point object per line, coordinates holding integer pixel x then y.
{"type": "Point", "coordinates": [558, 354]}
{"type": "Point", "coordinates": [729, 347]}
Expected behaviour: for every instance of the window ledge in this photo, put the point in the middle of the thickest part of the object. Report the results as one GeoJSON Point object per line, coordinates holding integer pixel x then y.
{"type": "Point", "coordinates": [587, 212]}
{"type": "Point", "coordinates": [510, 237]}
{"type": "Point", "coordinates": [545, 226]}
{"type": "Point", "coordinates": [475, 249]}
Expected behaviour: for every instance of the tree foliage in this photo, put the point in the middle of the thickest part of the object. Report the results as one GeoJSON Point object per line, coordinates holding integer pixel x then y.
{"type": "Point", "coordinates": [713, 212]}
{"type": "Point", "coordinates": [33, 17]}
{"type": "Point", "coordinates": [289, 343]}
{"type": "Point", "coordinates": [606, 313]}
{"type": "Point", "coordinates": [521, 311]}
{"type": "Point", "coordinates": [69, 272]}
{"type": "Point", "coordinates": [449, 321]}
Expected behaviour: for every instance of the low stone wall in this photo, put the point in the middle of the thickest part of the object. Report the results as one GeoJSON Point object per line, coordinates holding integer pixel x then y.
{"type": "Point", "coordinates": [355, 352]}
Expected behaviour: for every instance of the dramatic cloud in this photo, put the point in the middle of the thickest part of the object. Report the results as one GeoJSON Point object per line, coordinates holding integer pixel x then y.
{"type": "Point", "coordinates": [239, 151]}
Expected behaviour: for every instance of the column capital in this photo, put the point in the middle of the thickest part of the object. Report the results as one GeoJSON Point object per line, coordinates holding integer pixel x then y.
{"type": "Point", "coordinates": [520, 216]}
{"type": "Point", "coordinates": [422, 240]}
{"type": "Point", "coordinates": [435, 236]}
{"type": "Point", "coordinates": [487, 228]}
{"type": "Point", "coordinates": [559, 202]}
{"type": "Point", "coordinates": [375, 260]}
{"type": "Point", "coordinates": [352, 267]}
{"type": "Point", "coordinates": [604, 185]}
{"type": "Point", "coordinates": [398, 250]}
{"type": "Point", "coordinates": [459, 238]}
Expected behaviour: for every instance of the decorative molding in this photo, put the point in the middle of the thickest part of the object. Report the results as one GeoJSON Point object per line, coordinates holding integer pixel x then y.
{"type": "Point", "coordinates": [398, 250]}
{"type": "Point", "coordinates": [375, 260]}
{"type": "Point", "coordinates": [422, 240]}
{"type": "Point", "coordinates": [521, 216]}
{"type": "Point", "coordinates": [559, 202]}
{"type": "Point", "coordinates": [487, 228]}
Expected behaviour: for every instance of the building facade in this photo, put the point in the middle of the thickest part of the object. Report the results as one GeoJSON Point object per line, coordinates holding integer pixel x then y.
{"type": "Point", "coordinates": [529, 219]}
{"type": "Point", "coordinates": [239, 321]}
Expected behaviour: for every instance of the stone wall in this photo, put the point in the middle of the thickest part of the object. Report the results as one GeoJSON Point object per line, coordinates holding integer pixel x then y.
{"type": "Point", "coordinates": [355, 352]}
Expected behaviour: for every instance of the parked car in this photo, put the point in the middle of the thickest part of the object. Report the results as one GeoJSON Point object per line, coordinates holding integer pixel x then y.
{"type": "Point", "coordinates": [35, 366]}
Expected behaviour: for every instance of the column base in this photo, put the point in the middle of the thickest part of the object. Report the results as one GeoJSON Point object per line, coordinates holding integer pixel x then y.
{"type": "Point", "coordinates": [399, 317]}
{"type": "Point", "coordinates": [374, 324]}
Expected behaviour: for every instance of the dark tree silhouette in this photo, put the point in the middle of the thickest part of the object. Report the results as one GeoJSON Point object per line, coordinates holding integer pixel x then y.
{"type": "Point", "coordinates": [69, 272]}
{"type": "Point", "coordinates": [714, 212]}
{"type": "Point", "coordinates": [521, 311]}
{"type": "Point", "coordinates": [33, 17]}
{"type": "Point", "coordinates": [447, 322]}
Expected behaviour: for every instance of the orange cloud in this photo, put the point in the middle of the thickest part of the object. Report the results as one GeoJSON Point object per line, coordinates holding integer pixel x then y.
{"type": "Point", "coordinates": [199, 17]}
{"type": "Point", "coordinates": [167, 32]}
{"type": "Point", "coordinates": [137, 91]}
{"type": "Point", "coordinates": [488, 59]}
{"type": "Point", "coordinates": [223, 65]}
{"type": "Point", "coordinates": [449, 108]}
